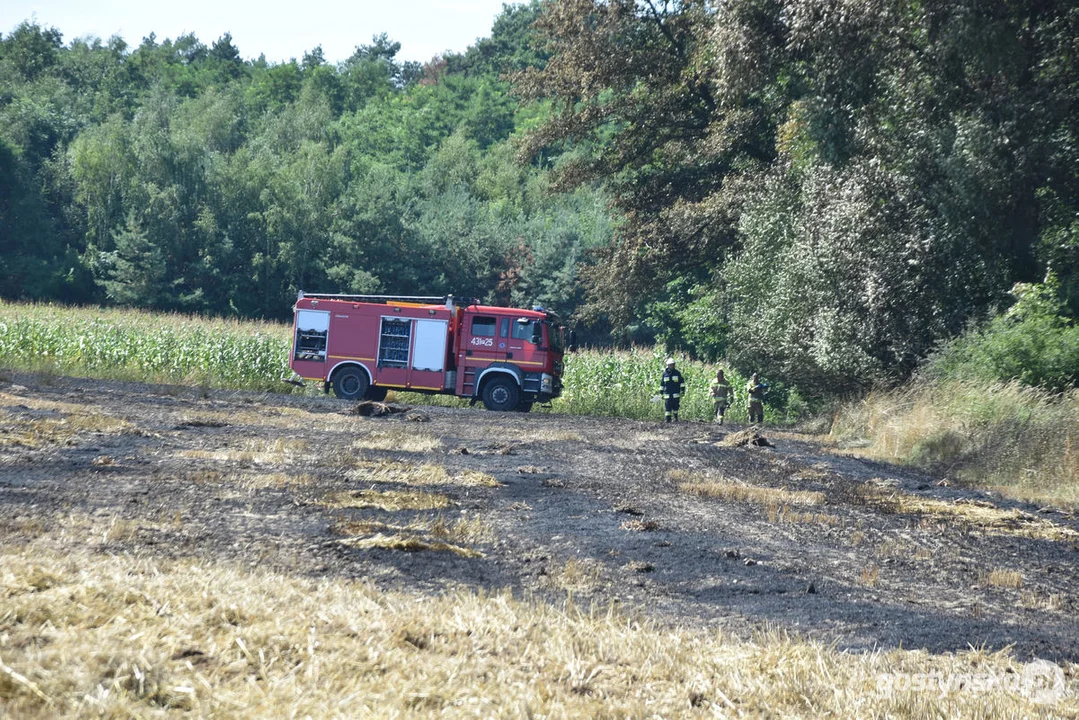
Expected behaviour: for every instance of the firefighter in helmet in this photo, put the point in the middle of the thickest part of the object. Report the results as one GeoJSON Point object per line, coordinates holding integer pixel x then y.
{"type": "Point", "coordinates": [671, 387]}
{"type": "Point", "coordinates": [720, 392]}
{"type": "Point", "coordinates": [755, 390]}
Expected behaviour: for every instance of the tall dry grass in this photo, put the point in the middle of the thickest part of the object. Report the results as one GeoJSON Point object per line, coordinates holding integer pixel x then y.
{"type": "Point", "coordinates": [100, 635]}
{"type": "Point", "coordinates": [1018, 440]}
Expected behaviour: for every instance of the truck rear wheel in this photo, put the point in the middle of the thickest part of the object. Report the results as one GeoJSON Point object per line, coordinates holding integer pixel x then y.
{"type": "Point", "coordinates": [376, 393]}
{"type": "Point", "coordinates": [501, 394]}
{"type": "Point", "coordinates": [350, 383]}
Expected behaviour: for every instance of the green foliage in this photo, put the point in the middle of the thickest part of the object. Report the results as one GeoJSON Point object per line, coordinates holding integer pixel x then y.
{"type": "Point", "coordinates": [142, 346]}
{"type": "Point", "coordinates": [1032, 343]}
{"type": "Point", "coordinates": [179, 177]}
{"type": "Point", "coordinates": [1059, 245]}
{"type": "Point", "coordinates": [852, 187]}
{"type": "Point", "coordinates": [816, 288]}
{"type": "Point", "coordinates": [136, 268]}
{"type": "Point", "coordinates": [689, 318]}
{"type": "Point", "coordinates": [24, 267]}
{"type": "Point", "coordinates": [30, 51]}
{"type": "Point", "coordinates": [512, 46]}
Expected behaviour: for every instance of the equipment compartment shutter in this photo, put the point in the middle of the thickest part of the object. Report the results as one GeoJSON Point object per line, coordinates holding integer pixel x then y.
{"type": "Point", "coordinates": [313, 320]}
{"type": "Point", "coordinates": [393, 343]}
{"type": "Point", "coordinates": [312, 331]}
{"type": "Point", "coordinates": [430, 348]}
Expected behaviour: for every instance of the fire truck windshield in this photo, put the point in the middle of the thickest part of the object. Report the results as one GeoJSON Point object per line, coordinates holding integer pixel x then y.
{"type": "Point", "coordinates": [554, 334]}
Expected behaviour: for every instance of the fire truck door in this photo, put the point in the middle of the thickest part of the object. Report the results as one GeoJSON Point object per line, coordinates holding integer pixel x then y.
{"type": "Point", "coordinates": [487, 339]}
{"type": "Point", "coordinates": [484, 341]}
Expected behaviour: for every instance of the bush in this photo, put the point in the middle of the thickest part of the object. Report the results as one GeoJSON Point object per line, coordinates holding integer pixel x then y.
{"type": "Point", "coordinates": [1032, 343]}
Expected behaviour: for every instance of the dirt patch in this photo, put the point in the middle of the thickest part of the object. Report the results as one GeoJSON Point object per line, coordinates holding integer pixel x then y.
{"type": "Point", "coordinates": [675, 522]}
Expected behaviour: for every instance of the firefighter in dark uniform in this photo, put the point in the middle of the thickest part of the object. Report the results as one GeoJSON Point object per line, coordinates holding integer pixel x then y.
{"type": "Point", "coordinates": [671, 387]}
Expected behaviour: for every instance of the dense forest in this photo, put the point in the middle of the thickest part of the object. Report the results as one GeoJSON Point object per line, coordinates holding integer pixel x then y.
{"type": "Point", "coordinates": [829, 189]}
{"type": "Point", "coordinates": [177, 176]}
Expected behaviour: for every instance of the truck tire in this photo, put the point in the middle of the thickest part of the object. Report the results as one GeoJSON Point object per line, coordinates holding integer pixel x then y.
{"type": "Point", "coordinates": [524, 406]}
{"type": "Point", "coordinates": [376, 393]}
{"type": "Point", "coordinates": [501, 394]}
{"type": "Point", "coordinates": [350, 383]}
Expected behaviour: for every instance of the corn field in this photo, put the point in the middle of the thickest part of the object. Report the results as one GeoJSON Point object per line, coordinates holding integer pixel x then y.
{"type": "Point", "coordinates": [625, 383]}
{"type": "Point", "coordinates": [135, 345]}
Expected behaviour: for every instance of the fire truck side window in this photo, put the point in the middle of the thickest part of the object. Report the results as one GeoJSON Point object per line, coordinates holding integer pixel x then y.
{"type": "Point", "coordinates": [505, 332]}
{"type": "Point", "coordinates": [523, 330]}
{"type": "Point", "coordinates": [484, 326]}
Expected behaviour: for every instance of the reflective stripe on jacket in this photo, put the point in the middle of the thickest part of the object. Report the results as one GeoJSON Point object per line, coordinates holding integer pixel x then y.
{"type": "Point", "coordinates": [672, 385]}
{"type": "Point", "coordinates": [719, 390]}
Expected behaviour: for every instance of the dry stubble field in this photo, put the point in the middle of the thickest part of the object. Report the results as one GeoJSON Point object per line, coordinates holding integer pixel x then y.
{"type": "Point", "coordinates": [170, 551]}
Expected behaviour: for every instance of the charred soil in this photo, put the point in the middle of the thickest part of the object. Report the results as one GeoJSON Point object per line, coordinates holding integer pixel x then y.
{"type": "Point", "coordinates": [675, 522]}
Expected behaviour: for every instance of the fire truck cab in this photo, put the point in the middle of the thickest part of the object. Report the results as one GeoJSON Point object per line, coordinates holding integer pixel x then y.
{"type": "Point", "coordinates": [361, 346]}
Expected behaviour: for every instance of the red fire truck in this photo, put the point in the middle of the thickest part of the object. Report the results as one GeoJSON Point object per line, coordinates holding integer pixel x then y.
{"type": "Point", "coordinates": [363, 345]}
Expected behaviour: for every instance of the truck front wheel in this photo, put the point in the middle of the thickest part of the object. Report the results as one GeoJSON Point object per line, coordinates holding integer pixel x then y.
{"type": "Point", "coordinates": [350, 383]}
{"type": "Point", "coordinates": [501, 394]}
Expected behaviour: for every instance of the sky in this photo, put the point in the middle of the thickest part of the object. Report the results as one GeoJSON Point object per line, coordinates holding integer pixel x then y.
{"type": "Point", "coordinates": [280, 30]}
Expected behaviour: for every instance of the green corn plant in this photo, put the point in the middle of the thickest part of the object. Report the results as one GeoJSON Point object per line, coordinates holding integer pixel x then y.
{"type": "Point", "coordinates": [153, 347]}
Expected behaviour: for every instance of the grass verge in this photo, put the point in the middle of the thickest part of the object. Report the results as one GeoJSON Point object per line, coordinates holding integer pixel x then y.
{"type": "Point", "coordinates": [1020, 441]}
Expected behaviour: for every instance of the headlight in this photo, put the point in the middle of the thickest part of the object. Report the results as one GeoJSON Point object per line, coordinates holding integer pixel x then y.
{"type": "Point", "coordinates": [546, 383]}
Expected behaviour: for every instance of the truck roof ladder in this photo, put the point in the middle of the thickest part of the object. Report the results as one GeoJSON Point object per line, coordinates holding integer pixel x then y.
{"type": "Point", "coordinates": [377, 298]}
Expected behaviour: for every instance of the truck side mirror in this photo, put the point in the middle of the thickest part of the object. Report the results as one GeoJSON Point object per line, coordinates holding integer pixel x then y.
{"type": "Point", "coordinates": [573, 341]}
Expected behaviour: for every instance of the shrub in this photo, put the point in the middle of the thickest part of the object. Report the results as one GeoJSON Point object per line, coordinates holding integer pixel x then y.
{"type": "Point", "coordinates": [1032, 343]}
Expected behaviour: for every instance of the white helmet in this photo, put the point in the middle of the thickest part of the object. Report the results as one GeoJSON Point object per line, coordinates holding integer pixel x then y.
{"type": "Point", "coordinates": [670, 361]}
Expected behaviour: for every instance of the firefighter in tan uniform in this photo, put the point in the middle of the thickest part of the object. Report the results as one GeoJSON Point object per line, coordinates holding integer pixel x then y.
{"type": "Point", "coordinates": [671, 387]}
{"type": "Point", "coordinates": [755, 390]}
{"type": "Point", "coordinates": [720, 392]}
